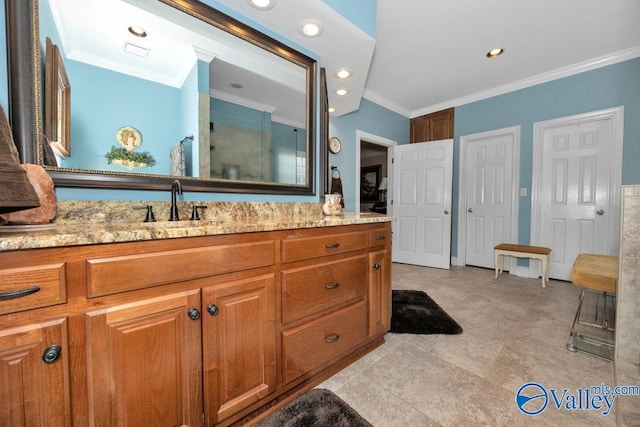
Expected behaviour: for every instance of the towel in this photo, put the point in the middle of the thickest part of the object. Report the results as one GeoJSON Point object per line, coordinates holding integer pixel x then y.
{"type": "Point", "coordinates": [176, 158]}
{"type": "Point", "coordinates": [16, 192]}
{"type": "Point", "coordinates": [336, 188]}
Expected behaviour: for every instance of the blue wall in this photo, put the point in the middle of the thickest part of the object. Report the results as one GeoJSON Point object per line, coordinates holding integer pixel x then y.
{"type": "Point", "coordinates": [606, 87]}
{"type": "Point", "coordinates": [370, 118]}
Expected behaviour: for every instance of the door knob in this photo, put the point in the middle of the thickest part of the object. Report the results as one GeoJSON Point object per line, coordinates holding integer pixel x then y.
{"type": "Point", "coordinates": [470, 210]}
{"type": "Point", "coordinates": [446, 212]}
{"type": "Point", "coordinates": [600, 212]}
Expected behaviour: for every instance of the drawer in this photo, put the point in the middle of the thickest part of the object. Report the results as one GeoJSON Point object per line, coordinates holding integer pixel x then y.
{"type": "Point", "coordinates": [379, 237]}
{"type": "Point", "coordinates": [298, 248]}
{"type": "Point", "coordinates": [320, 287]}
{"type": "Point", "coordinates": [32, 287]}
{"type": "Point", "coordinates": [320, 341]}
{"type": "Point", "coordinates": [128, 272]}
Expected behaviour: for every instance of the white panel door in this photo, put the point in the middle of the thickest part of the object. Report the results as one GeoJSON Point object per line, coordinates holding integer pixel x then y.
{"type": "Point", "coordinates": [422, 177]}
{"type": "Point", "coordinates": [490, 193]}
{"type": "Point", "coordinates": [575, 180]}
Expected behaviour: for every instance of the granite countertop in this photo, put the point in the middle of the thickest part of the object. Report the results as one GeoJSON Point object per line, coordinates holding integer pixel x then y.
{"type": "Point", "coordinates": [85, 223]}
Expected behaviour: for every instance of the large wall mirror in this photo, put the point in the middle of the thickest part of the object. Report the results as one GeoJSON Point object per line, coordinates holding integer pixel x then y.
{"type": "Point", "coordinates": [134, 93]}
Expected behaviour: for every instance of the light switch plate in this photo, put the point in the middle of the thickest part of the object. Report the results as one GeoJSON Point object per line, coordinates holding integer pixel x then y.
{"type": "Point", "coordinates": [523, 192]}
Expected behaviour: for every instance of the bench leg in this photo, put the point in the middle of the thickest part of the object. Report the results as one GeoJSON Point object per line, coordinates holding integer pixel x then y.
{"type": "Point", "coordinates": [545, 270]}
{"type": "Point", "coordinates": [496, 263]}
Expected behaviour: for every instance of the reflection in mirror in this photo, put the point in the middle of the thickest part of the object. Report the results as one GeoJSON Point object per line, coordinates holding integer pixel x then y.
{"type": "Point", "coordinates": [221, 109]}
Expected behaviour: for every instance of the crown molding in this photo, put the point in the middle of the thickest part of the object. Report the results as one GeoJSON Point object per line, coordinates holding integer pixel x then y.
{"type": "Point", "coordinates": [580, 67]}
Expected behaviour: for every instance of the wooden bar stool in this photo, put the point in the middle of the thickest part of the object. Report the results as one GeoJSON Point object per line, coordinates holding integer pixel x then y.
{"type": "Point", "coordinates": [522, 251]}
{"type": "Point", "coordinates": [599, 274]}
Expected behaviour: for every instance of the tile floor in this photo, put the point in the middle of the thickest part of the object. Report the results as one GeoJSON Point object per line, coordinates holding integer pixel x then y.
{"type": "Point", "coordinates": [514, 332]}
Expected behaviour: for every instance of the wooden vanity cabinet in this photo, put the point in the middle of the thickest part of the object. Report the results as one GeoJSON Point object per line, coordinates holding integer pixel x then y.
{"type": "Point", "coordinates": [239, 344]}
{"type": "Point", "coordinates": [188, 331]}
{"type": "Point", "coordinates": [34, 375]}
{"type": "Point", "coordinates": [35, 384]}
{"type": "Point", "coordinates": [333, 296]}
{"type": "Point", "coordinates": [144, 361]}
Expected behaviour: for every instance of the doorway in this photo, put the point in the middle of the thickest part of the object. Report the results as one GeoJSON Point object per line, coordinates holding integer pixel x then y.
{"type": "Point", "coordinates": [373, 151]}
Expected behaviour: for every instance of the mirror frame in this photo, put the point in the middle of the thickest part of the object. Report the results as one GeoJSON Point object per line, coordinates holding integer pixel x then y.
{"type": "Point", "coordinates": [25, 116]}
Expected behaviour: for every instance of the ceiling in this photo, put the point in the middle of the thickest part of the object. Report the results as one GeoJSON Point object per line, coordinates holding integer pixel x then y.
{"type": "Point", "coordinates": [430, 54]}
{"type": "Point", "coordinates": [427, 55]}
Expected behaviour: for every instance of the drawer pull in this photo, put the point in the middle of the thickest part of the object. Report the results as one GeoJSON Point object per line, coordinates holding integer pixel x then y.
{"type": "Point", "coordinates": [376, 266]}
{"type": "Point", "coordinates": [51, 353]}
{"type": "Point", "coordinates": [381, 237]}
{"type": "Point", "coordinates": [332, 339]}
{"type": "Point", "coordinates": [332, 285]}
{"type": "Point", "coordinates": [19, 294]}
{"type": "Point", "coordinates": [332, 245]}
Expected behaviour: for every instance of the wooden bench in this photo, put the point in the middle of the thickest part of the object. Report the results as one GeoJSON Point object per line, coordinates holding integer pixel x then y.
{"type": "Point", "coordinates": [522, 251]}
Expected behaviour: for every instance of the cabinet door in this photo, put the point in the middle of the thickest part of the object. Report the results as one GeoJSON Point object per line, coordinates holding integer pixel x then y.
{"type": "Point", "coordinates": [34, 382]}
{"type": "Point", "coordinates": [239, 345]}
{"type": "Point", "coordinates": [419, 129]}
{"type": "Point", "coordinates": [441, 125]}
{"type": "Point", "coordinates": [144, 362]}
{"type": "Point", "coordinates": [379, 281]}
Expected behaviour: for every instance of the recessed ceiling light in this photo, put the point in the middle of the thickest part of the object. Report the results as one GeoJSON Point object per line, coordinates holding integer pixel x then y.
{"type": "Point", "coordinates": [262, 4]}
{"type": "Point", "coordinates": [495, 52]}
{"type": "Point", "coordinates": [236, 85]}
{"type": "Point", "coordinates": [332, 110]}
{"type": "Point", "coordinates": [343, 73]}
{"type": "Point", "coordinates": [311, 28]}
{"type": "Point", "coordinates": [342, 92]}
{"type": "Point", "coordinates": [137, 31]}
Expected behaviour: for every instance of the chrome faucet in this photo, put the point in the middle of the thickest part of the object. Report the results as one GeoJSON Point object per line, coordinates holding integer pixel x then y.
{"type": "Point", "coordinates": [176, 188]}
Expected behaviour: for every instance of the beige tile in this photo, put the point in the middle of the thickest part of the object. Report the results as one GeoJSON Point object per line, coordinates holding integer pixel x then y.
{"type": "Point", "coordinates": [514, 332]}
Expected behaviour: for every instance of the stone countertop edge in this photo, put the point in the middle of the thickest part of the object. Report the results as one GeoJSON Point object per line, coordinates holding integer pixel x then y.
{"type": "Point", "coordinates": [77, 233]}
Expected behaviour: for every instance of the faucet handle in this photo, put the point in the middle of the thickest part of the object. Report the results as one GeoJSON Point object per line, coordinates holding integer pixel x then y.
{"type": "Point", "coordinates": [195, 214]}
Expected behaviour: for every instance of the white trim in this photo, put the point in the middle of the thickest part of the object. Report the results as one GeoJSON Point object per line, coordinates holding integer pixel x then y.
{"type": "Point", "coordinates": [386, 103]}
{"type": "Point", "coordinates": [379, 140]}
{"type": "Point", "coordinates": [465, 140]}
{"type": "Point", "coordinates": [580, 67]}
{"type": "Point", "coordinates": [617, 115]}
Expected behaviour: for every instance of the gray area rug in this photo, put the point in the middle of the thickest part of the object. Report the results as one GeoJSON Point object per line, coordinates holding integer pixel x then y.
{"type": "Point", "coordinates": [316, 408]}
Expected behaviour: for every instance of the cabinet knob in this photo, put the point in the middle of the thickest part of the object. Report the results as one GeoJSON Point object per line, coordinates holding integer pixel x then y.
{"type": "Point", "coordinates": [332, 285]}
{"type": "Point", "coordinates": [332, 338]}
{"type": "Point", "coordinates": [51, 353]}
{"type": "Point", "coordinates": [194, 313]}
{"type": "Point", "coordinates": [376, 266]}
{"type": "Point", "coordinates": [332, 245]}
{"type": "Point", "coordinates": [212, 309]}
